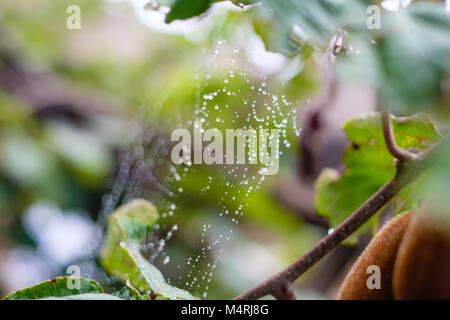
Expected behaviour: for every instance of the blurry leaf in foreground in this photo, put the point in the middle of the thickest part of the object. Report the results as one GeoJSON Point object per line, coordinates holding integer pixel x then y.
{"type": "Point", "coordinates": [406, 60]}
{"type": "Point", "coordinates": [287, 26]}
{"type": "Point", "coordinates": [121, 254]}
{"type": "Point", "coordinates": [436, 187]}
{"type": "Point", "coordinates": [368, 163]}
{"type": "Point", "coordinates": [55, 288]}
{"type": "Point", "coordinates": [24, 160]}
{"type": "Point", "coordinates": [414, 56]}
{"type": "Point", "coordinates": [85, 154]}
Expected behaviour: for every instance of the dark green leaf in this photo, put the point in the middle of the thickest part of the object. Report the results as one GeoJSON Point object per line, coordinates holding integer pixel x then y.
{"type": "Point", "coordinates": [185, 9]}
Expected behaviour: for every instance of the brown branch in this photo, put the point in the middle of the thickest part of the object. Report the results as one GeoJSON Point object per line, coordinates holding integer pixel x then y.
{"type": "Point", "coordinates": [286, 291]}
{"type": "Point", "coordinates": [406, 172]}
{"type": "Point", "coordinates": [399, 154]}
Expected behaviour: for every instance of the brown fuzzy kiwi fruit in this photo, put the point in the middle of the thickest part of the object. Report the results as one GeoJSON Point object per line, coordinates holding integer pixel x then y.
{"type": "Point", "coordinates": [382, 252]}
{"type": "Point", "coordinates": [422, 267]}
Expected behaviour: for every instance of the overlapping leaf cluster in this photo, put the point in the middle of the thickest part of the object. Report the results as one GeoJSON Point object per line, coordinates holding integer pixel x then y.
{"type": "Point", "coordinates": [121, 257]}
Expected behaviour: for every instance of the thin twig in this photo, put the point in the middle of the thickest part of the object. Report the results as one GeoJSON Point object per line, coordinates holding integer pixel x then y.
{"type": "Point", "coordinates": [406, 172]}
{"type": "Point", "coordinates": [398, 153]}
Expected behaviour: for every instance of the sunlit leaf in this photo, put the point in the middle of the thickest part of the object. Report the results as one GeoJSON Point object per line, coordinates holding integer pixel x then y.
{"type": "Point", "coordinates": [121, 254]}
{"type": "Point", "coordinates": [57, 287]}
{"type": "Point", "coordinates": [86, 296]}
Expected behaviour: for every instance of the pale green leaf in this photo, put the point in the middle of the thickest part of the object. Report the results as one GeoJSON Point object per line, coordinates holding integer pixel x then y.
{"type": "Point", "coordinates": [121, 254]}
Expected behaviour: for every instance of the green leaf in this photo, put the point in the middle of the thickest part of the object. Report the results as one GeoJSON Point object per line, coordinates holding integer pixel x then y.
{"type": "Point", "coordinates": [129, 292]}
{"type": "Point", "coordinates": [408, 60]}
{"type": "Point", "coordinates": [286, 26]}
{"type": "Point", "coordinates": [55, 288]}
{"type": "Point", "coordinates": [185, 9]}
{"type": "Point", "coordinates": [241, 3]}
{"type": "Point", "coordinates": [414, 57]}
{"type": "Point", "coordinates": [368, 164]}
{"type": "Point", "coordinates": [435, 188]}
{"type": "Point", "coordinates": [405, 60]}
{"type": "Point", "coordinates": [121, 254]}
{"type": "Point", "coordinates": [85, 296]}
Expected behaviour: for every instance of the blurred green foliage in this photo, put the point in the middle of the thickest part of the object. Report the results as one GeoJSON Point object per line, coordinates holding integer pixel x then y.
{"type": "Point", "coordinates": [73, 160]}
{"type": "Point", "coordinates": [115, 81]}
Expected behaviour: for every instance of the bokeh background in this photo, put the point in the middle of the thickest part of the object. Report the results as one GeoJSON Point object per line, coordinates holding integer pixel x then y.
{"type": "Point", "coordinates": [85, 123]}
